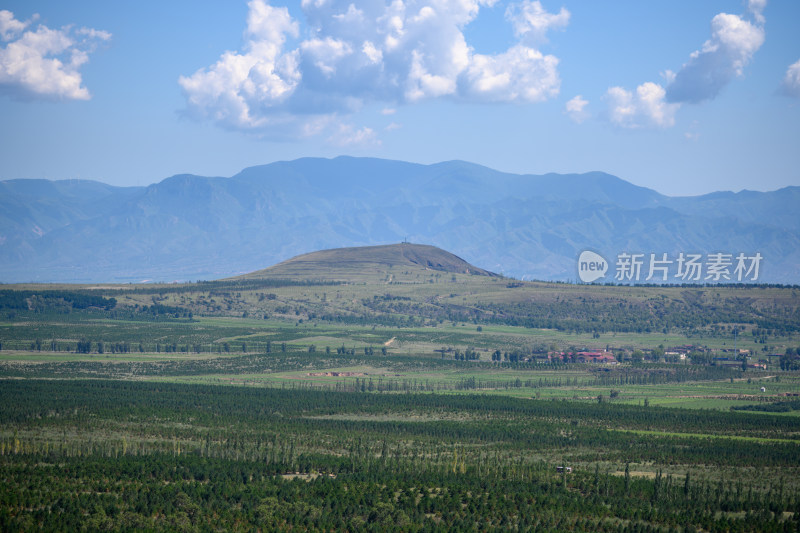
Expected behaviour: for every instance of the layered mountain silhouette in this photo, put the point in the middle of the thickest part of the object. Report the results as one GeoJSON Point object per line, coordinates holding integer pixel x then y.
{"type": "Point", "coordinates": [192, 227]}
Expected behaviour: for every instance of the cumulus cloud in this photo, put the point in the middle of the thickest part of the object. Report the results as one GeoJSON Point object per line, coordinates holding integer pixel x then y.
{"type": "Point", "coordinates": [521, 74]}
{"type": "Point", "coordinates": [43, 62]}
{"type": "Point", "coordinates": [246, 90]}
{"type": "Point", "coordinates": [791, 82]}
{"type": "Point", "coordinates": [349, 54]}
{"type": "Point", "coordinates": [723, 57]}
{"type": "Point", "coordinates": [576, 109]}
{"type": "Point", "coordinates": [734, 40]}
{"type": "Point", "coordinates": [531, 20]}
{"type": "Point", "coordinates": [10, 26]}
{"type": "Point", "coordinates": [646, 107]}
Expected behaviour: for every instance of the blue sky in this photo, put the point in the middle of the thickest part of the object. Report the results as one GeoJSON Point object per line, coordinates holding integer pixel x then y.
{"type": "Point", "coordinates": [683, 97]}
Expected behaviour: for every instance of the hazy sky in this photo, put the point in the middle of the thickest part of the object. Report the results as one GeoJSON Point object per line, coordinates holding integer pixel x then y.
{"type": "Point", "coordinates": [685, 97]}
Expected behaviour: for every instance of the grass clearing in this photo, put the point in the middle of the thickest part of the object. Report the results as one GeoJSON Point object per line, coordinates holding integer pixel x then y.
{"type": "Point", "coordinates": [670, 434]}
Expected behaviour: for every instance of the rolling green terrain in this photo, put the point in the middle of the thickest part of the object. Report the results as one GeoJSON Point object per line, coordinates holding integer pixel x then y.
{"type": "Point", "coordinates": [398, 388]}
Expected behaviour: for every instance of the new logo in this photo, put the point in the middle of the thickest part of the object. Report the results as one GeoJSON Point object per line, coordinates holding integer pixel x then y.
{"type": "Point", "coordinates": [591, 266]}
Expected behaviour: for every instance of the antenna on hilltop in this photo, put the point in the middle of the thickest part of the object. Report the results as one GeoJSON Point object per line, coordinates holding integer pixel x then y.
{"type": "Point", "coordinates": [405, 241]}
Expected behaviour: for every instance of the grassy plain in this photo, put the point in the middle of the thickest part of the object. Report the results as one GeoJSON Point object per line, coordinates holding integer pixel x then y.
{"type": "Point", "coordinates": [406, 316]}
{"type": "Point", "coordinates": [337, 401]}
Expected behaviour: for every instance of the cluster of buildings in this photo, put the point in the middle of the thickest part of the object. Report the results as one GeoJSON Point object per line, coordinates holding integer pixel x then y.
{"type": "Point", "coordinates": [673, 354]}
{"type": "Point", "coordinates": [598, 357]}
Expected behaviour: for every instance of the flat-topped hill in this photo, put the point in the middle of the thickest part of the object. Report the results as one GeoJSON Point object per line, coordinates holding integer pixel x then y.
{"type": "Point", "coordinates": [350, 263]}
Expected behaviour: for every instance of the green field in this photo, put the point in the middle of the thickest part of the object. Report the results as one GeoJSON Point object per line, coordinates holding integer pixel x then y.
{"type": "Point", "coordinates": [397, 398]}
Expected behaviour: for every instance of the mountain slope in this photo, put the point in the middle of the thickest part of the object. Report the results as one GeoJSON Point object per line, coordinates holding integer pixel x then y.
{"type": "Point", "coordinates": [347, 264]}
{"type": "Point", "coordinates": [193, 227]}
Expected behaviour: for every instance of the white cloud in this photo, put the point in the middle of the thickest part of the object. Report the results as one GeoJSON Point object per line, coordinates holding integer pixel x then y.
{"type": "Point", "coordinates": [429, 77]}
{"type": "Point", "coordinates": [325, 53]}
{"type": "Point", "coordinates": [9, 26]}
{"type": "Point", "coordinates": [45, 63]}
{"type": "Point", "coordinates": [791, 82]}
{"type": "Point", "coordinates": [521, 74]}
{"type": "Point", "coordinates": [244, 91]}
{"type": "Point", "coordinates": [723, 57]}
{"type": "Point", "coordinates": [372, 52]}
{"type": "Point", "coordinates": [756, 8]}
{"type": "Point", "coordinates": [348, 135]}
{"type": "Point", "coordinates": [644, 108]}
{"type": "Point", "coordinates": [94, 34]}
{"type": "Point", "coordinates": [576, 109]}
{"type": "Point", "coordinates": [390, 51]}
{"type": "Point", "coordinates": [270, 25]}
{"type": "Point", "coordinates": [353, 15]}
{"type": "Point", "coordinates": [531, 20]}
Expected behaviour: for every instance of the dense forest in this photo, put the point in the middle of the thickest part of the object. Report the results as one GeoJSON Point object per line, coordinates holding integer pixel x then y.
{"type": "Point", "coordinates": [88, 455]}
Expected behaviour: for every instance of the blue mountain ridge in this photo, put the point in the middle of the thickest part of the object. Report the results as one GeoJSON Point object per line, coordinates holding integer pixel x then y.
{"type": "Point", "coordinates": [189, 227]}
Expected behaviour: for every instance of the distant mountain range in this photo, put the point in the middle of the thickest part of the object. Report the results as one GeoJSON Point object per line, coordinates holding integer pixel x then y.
{"type": "Point", "coordinates": [192, 227]}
